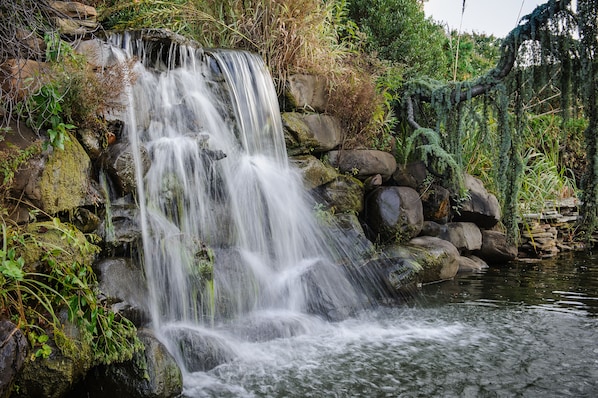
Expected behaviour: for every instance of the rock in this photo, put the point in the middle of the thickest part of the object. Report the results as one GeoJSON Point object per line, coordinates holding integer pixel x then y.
{"type": "Point", "coordinates": [74, 18]}
{"type": "Point", "coordinates": [152, 373]}
{"type": "Point", "coordinates": [119, 162]}
{"type": "Point", "coordinates": [13, 353]}
{"type": "Point", "coordinates": [495, 248]}
{"type": "Point", "coordinates": [363, 163]}
{"type": "Point", "coordinates": [436, 202]}
{"type": "Point", "coordinates": [307, 133]}
{"type": "Point", "coordinates": [123, 286]}
{"type": "Point", "coordinates": [54, 377]}
{"type": "Point", "coordinates": [410, 175]}
{"type": "Point", "coordinates": [98, 53]}
{"type": "Point", "coordinates": [437, 257]}
{"type": "Point", "coordinates": [481, 208]}
{"type": "Point", "coordinates": [307, 92]}
{"type": "Point", "coordinates": [200, 349]}
{"type": "Point", "coordinates": [57, 179]}
{"type": "Point", "coordinates": [23, 77]}
{"type": "Point", "coordinates": [314, 172]}
{"type": "Point", "coordinates": [121, 228]}
{"type": "Point", "coordinates": [344, 194]}
{"type": "Point", "coordinates": [431, 228]}
{"type": "Point", "coordinates": [465, 236]}
{"type": "Point", "coordinates": [350, 245]}
{"type": "Point", "coordinates": [394, 213]}
{"type": "Point", "coordinates": [467, 264]}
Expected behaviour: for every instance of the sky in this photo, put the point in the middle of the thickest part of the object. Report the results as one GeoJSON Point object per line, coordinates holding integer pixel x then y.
{"type": "Point", "coordinates": [497, 17]}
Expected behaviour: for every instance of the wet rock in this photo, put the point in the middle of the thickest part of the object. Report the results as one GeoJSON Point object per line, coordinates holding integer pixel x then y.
{"type": "Point", "coordinates": [436, 202]}
{"type": "Point", "coordinates": [481, 208]}
{"type": "Point", "coordinates": [394, 213]}
{"type": "Point", "coordinates": [55, 376]}
{"type": "Point", "coordinates": [119, 162]}
{"type": "Point", "coordinates": [199, 349]}
{"type": "Point", "coordinates": [307, 133]}
{"type": "Point", "coordinates": [314, 172]}
{"type": "Point", "coordinates": [349, 244]}
{"type": "Point", "coordinates": [306, 92]}
{"type": "Point", "coordinates": [123, 286]}
{"type": "Point", "coordinates": [468, 264]}
{"type": "Point", "coordinates": [121, 228]}
{"type": "Point", "coordinates": [344, 194]}
{"type": "Point", "coordinates": [410, 175]}
{"type": "Point", "coordinates": [13, 353]}
{"type": "Point", "coordinates": [152, 373]}
{"type": "Point", "coordinates": [437, 257]}
{"type": "Point", "coordinates": [465, 236]}
{"type": "Point", "coordinates": [495, 248]}
{"type": "Point", "coordinates": [98, 53]}
{"type": "Point", "coordinates": [363, 163]}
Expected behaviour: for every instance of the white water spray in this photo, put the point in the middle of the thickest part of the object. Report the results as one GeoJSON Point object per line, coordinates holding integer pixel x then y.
{"type": "Point", "coordinates": [228, 232]}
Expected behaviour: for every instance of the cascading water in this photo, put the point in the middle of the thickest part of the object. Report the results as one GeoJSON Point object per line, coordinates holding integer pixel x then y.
{"type": "Point", "coordinates": [229, 239]}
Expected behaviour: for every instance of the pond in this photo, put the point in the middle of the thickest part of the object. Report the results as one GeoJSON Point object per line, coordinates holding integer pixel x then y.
{"type": "Point", "coordinates": [523, 329]}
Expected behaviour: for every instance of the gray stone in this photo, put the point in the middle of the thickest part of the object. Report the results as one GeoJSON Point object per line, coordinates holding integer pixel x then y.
{"type": "Point", "coordinates": [307, 92]}
{"type": "Point", "coordinates": [307, 133]}
{"type": "Point", "coordinates": [344, 194]}
{"type": "Point", "coordinates": [363, 163]}
{"type": "Point", "coordinates": [437, 257]}
{"type": "Point", "coordinates": [98, 53]}
{"type": "Point", "coordinates": [481, 208]}
{"type": "Point", "coordinates": [465, 236]}
{"type": "Point", "coordinates": [152, 373]}
{"type": "Point", "coordinates": [122, 284]}
{"type": "Point", "coordinates": [495, 248]}
{"type": "Point", "coordinates": [436, 201]}
{"type": "Point", "coordinates": [469, 264]}
{"type": "Point", "coordinates": [410, 175]}
{"type": "Point", "coordinates": [13, 353]}
{"type": "Point", "coordinates": [314, 172]}
{"type": "Point", "coordinates": [119, 162]}
{"type": "Point", "coordinates": [394, 213]}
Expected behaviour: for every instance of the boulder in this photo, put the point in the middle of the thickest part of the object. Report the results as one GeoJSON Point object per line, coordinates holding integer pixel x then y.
{"type": "Point", "coordinates": [465, 236]}
{"type": "Point", "coordinates": [410, 175]}
{"type": "Point", "coordinates": [481, 207]}
{"type": "Point", "coordinates": [306, 92]}
{"type": "Point", "coordinates": [74, 18]}
{"type": "Point", "coordinates": [495, 248]}
{"type": "Point", "coordinates": [436, 202]}
{"type": "Point", "coordinates": [471, 264]}
{"type": "Point", "coordinates": [363, 163]}
{"type": "Point", "coordinates": [349, 244]}
{"type": "Point", "coordinates": [307, 133]}
{"type": "Point", "coordinates": [119, 162]}
{"type": "Point", "coordinates": [98, 53]}
{"type": "Point", "coordinates": [152, 373]}
{"type": "Point", "coordinates": [394, 213]}
{"type": "Point", "coordinates": [314, 172]}
{"type": "Point", "coordinates": [22, 77]}
{"type": "Point", "coordinates": [437, 257]}
{"type": "Point", "coordinates": [344, 194]}
{"type": "Point", "coordinates": [123, 286]}
{"type": "Point", "coordinates": [13, 353]}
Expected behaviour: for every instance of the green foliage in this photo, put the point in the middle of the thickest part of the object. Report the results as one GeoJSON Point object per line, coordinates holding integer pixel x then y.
{"type": "Point", "coordinates": [48, 268]}
{"type": "Point", "coordinates": [397, 30]}
{"type": "Point", "coordinates": [477, 54]}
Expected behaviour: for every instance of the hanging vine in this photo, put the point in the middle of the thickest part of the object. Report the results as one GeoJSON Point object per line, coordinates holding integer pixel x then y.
{"type": "Point", "coordinates": [543, 50]}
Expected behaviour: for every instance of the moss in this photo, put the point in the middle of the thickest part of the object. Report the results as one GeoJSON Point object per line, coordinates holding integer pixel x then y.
{"type": "Point", "coordinates": [64, 181]}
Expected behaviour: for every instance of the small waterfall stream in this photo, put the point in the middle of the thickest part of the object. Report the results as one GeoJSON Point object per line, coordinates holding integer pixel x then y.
{"type": "Point", "coordinates": [232, 249]}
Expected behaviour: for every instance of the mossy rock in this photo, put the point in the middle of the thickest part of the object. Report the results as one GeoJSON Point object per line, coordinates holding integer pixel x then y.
{"type": "Point", "coordinates": [64, 181]}
{"type": "Point", "coordinates": [65, 242]}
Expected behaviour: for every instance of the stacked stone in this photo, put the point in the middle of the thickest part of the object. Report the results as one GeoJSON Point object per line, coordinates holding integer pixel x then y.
{"type": "Point", "coordinates": [539, 240]}
{"type": "Point", "coordinates": [74, 19]}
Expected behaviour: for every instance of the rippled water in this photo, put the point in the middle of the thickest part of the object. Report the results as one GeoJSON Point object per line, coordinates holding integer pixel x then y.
{"type": "Point", "coordinates": [526, 330]}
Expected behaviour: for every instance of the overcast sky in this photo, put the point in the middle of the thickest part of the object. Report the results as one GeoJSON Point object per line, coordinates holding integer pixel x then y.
{"type": "Point", "coordinates": [497, 17]}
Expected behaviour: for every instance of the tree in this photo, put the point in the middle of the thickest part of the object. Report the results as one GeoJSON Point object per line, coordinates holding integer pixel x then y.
{"type": "Point", "coordinates": [545, 41]}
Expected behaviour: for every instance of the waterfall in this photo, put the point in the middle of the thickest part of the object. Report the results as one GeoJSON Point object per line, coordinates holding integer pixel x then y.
{"type": "Point", "coordinates": [229, 235]}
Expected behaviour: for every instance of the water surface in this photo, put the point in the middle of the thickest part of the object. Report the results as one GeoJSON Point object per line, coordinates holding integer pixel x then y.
{"type": "Point", "coordinates": [526, 330]}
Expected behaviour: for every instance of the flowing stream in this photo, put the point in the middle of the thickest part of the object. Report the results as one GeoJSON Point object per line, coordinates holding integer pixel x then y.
{"type": "Point", "coordinates": [245, 292]}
